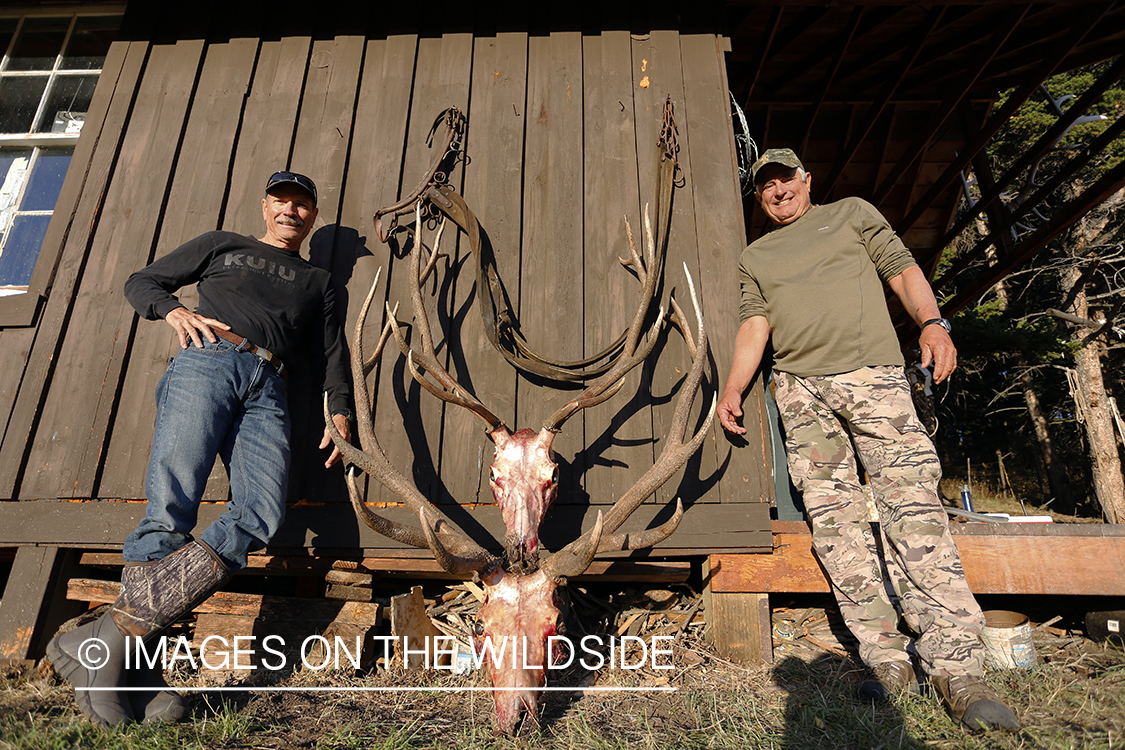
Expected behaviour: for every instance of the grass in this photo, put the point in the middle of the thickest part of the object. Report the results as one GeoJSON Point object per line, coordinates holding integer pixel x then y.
{"type": "Point", "coordinates": [1075, 700]}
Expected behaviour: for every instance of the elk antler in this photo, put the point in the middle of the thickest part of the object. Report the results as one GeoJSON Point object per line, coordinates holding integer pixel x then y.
{"type": "Point", "coordinates": [450, 390]}
{"type": "Point", "coordinates": [576, 557]}
{"type": "Point", "coordinates": [457, 553]}
{"type": "Point", "coordinates": [647, 270]}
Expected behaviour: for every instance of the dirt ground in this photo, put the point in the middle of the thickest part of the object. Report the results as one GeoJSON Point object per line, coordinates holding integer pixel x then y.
{"type": "Point", "coordinates": [805, 698]}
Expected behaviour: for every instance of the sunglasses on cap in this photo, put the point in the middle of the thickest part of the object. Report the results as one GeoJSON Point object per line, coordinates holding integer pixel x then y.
{"type": "Point", "coordinates": [282, 178]}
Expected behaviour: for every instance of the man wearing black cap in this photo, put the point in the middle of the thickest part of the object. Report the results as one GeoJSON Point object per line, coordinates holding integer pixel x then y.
{"type": "Point", "coordinates": [814, 285]}
{"type": "Point", "coordinates": [262, 308]}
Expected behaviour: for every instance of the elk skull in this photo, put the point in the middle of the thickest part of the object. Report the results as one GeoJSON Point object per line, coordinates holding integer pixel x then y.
{"type": "Point", "coordinates": [521, 605]}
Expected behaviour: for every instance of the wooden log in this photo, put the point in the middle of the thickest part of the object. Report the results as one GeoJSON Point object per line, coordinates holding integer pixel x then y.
{"type": "Point", "coordinates": [1046, 559]}
{"type": "Point", "coordinates": [654, 571]}
{"type": "Point", "coordinates": [261, 606]}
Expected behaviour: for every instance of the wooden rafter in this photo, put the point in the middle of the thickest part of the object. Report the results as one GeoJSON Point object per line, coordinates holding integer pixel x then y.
{"type": "Point", "coordinates": [841, 48]}
{"type": "Point", "coordinates": [764, 47]}
{"type": "Point", "coordinates": [877, 108]}
{"type": "Point", "coordinates": [972, 72]}
{"type": "Point", "coordinates": [983, 135]}
{"type": "Point", "coordinates": [1040, 147]}
{"type": "Point", "coordinates": [1109, 183]}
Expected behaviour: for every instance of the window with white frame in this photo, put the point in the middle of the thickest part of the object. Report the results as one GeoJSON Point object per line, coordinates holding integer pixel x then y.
{"type": "Point", "coordinates": [48, 73]}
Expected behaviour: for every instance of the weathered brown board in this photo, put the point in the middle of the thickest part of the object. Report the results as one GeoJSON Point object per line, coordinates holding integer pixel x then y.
{"type": "Point", "coordinates": [549, 302]}
{"type": "Point", "coordinates": [265, 606]}
{"type": "Point", "coordinates": [1059, 562]}
{"type": "Point", "coordinates": [719, 230]}
{"type": "Point", "coordinates": [675, 571]}
{"type": "Point", "coordinates": [492, 190]}
{"type": "Point", "coordinates": [372, 181]}
{"type": "Point", "coordinates": [65, 457]}
{"type": "Point", "coordinates": [266, 135]}
{"type": "Point", "coordinates": [320, 148]}
{"type": "Point", "coordinates": [113, 97]}
{"type": "Point", "coordinates": [441, 81]}
{"type": "Point", "coordinates": [28, 585]}
{"type": "Point", "coordinates": [617, 447]}
{"type": "Point", "coordinates": [16, 343]}
{"type": "Point", "coordinates": [197, 192]}
{"type": "Point", "coordinates": [324, 527]}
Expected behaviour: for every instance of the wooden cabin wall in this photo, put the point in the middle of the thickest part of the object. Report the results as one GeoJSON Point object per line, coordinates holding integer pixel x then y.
{"type": "Point", "coordinates": [562, 127]}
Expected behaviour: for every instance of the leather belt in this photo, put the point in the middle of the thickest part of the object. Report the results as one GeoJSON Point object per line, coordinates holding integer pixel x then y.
{"type": "Point", "coordinates": [260, 352]}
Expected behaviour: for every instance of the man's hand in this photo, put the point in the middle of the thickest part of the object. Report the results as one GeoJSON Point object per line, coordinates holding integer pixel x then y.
{"type": "Point", "coordinates": [937, 346]}
{"type": "Point", "coordinates": [730, 410]}
{"type": "Point", "coordinates": [188, 324]}
{"type": "Point", "coordinates": [345, 430]}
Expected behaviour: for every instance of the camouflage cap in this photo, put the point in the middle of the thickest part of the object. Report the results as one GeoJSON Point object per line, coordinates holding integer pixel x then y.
{"type": "Point", "coordinates": [783, 156]}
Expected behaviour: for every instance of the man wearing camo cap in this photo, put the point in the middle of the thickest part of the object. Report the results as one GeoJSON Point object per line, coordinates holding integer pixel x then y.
{"type": "Point", "coordinates": [814, 283]}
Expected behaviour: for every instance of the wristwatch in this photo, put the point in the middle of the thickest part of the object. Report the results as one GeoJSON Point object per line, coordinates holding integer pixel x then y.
{"type": "Point", "coordinates": [941, 322]}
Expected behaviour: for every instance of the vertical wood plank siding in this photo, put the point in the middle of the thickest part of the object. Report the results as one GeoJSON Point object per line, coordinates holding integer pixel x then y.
{"type": "Point", "coordinates": [113, 96]}
{"type": "Point", "coordinates": [561, 144]}
{"type": "Point", "coordinates": [194, 205]}
{"type": "Point", "coordinates": [66, 455]}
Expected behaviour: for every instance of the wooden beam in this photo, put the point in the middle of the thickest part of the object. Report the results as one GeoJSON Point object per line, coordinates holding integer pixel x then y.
{"type": "Point", "coordinates": [838, 53]}
{"type": "Point", "coordinates": [655, 571]}
{"type": "Point", "coordinates": [1083, 25]}
{"type": "Point", "coordinates": [1062, 219]}
{"type": "Point", "coordinates": [1041, 146]}
{"type": "Point", "coordinates": [705, 527]}
{"type": "Point", "coordinates": [1056, 559]}
{"type": "Point", "coordinates": [876, 109]}
{"type": "Point", "coordinates": [972, 71]}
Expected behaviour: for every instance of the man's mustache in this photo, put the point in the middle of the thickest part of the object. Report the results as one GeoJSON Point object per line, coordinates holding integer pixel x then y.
{"type": "Point", "coordinates": [290, 221]}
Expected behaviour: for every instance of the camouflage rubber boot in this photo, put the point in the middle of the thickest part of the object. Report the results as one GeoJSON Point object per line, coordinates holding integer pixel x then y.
{"type": "Point", "coordinates": [92, 659]}
{"type": "Point", "coordinates": [156, 596]}
{"type": "Point", "coordinates": [974, 704]}
{"type": "Point", "coordinates": [888, 680]}
{"type": "Point", "coordinates": [159, 704]}
{"type": "Point", "coordinates": [152, 597]}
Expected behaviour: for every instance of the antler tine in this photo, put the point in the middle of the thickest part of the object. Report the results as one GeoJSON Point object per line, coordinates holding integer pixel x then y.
{"type": "Point", "coordinates": [369, 365]}
{"type": "Point", "coordinates": [569, 561]}
{"type": "Point", "coordinates": [374, 461]}
{"type": "Point", "coordinates": [609, 384]}
{"type": "Point", "coordinates": [450, 390]}
{"type": "Point", "coordinates": [376, 464]}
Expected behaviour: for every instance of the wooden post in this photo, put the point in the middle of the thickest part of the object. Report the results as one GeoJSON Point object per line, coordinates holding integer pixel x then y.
{"type": "Point", "coordinates": [739, 623]}
{"type": "Point", "coordinates": [34, 606]}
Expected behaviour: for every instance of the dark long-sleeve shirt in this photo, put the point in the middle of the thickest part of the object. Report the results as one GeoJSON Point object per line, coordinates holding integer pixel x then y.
{"type": "Point", "coordinates": [271, 296]}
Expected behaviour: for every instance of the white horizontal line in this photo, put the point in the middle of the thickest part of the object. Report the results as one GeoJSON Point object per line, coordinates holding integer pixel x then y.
{"type": "Point", "coordinates": [401, 689]}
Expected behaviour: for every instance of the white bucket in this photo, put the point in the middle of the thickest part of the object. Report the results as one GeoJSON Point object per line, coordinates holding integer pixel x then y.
{"type": "Point", "coordinates": [1007, 640]}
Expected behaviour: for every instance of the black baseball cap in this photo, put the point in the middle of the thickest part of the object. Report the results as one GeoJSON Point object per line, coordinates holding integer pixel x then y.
{"type": "Point", "coordinates": [292, 178]}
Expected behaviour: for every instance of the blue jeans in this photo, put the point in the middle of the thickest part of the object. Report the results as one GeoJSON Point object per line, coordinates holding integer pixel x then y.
{"type": "Point", "coordinates": [215, 401]}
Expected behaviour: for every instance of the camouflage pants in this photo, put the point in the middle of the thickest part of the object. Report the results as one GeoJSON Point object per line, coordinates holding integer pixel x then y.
{"type": "Point", "coordinates": [871, 406]}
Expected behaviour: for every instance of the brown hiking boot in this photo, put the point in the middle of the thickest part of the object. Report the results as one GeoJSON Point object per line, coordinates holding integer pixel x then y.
{"type": "Point", "coordinates": [888, 680]}
{"type": "Point", "coordinates": [974, 704]}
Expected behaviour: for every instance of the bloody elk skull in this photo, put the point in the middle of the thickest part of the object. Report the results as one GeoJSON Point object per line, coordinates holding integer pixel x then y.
{"type": "Point", "coordinates": [521, 599]}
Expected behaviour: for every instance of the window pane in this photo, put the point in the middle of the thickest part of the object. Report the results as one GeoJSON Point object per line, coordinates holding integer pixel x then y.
{"type": "Point", "coordinates": [19, 98]}
{"type": "Point", "coordinates": [39, 43]}
{"type": "Point", "coordinates": [67, 103]}
{"type": "Point", "coordinates": [14, 163]}
{"type": "Point", "coordinates": [90, 42]}
{"type": "Point", "coordinates": [45, 182]}
{"type": "Point", "coordinates": [17, 258]}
